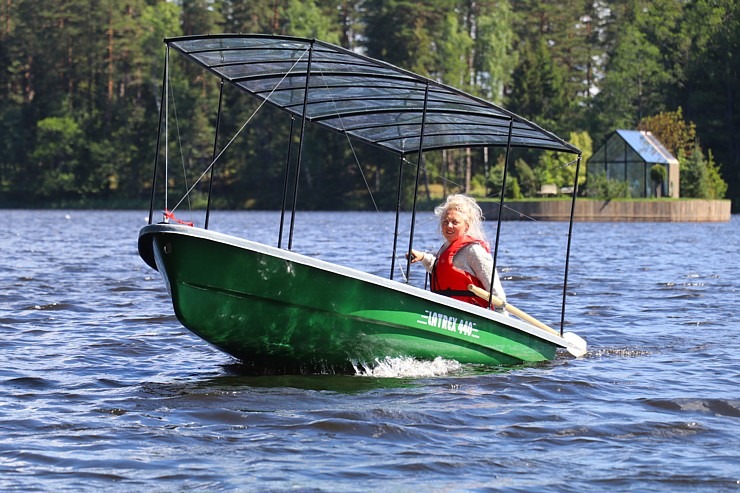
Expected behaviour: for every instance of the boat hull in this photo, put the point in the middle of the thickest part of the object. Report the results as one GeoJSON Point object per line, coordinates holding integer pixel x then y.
{"type": "Point", "coordinates": [277, 309]}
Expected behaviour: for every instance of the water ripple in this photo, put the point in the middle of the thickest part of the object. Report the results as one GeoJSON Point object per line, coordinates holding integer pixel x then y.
{"type": "Point", "coordinates": [102, 389]}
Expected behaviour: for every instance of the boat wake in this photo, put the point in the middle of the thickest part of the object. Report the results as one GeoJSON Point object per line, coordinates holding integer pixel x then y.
{"type": "Point", "coordinates": [405, 367]}
{"type": "Point", "coordinates": [626, 352]}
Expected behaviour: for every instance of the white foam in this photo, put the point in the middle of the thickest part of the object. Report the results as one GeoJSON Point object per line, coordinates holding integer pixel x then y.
{"type": "Point", "coordinates": [405, 367]}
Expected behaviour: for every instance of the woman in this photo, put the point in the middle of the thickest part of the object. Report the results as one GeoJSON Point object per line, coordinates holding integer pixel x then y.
{"type": "Point", "coordinates": [464, 257]}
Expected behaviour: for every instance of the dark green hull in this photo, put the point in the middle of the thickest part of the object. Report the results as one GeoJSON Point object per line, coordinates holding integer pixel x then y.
{"type": "Point", "coordinates": [279, 309]}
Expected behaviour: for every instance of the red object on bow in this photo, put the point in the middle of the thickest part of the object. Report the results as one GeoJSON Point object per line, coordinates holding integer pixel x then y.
{"type": "Point", "coordinates": [171, 216]}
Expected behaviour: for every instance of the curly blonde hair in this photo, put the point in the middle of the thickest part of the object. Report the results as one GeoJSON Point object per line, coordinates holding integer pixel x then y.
{"type": "Point", "coordinates": [470, 210]}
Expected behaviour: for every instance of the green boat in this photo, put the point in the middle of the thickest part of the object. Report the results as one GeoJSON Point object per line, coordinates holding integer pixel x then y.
{"type": "Point", "coordinates": [282, 311]}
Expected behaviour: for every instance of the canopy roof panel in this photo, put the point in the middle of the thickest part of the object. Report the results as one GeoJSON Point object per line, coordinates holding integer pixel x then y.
{"type": "Point", "coordinates": [368, 99]}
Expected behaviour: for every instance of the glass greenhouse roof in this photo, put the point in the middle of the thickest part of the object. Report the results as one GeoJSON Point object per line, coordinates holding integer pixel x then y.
{"type": "Point", "coordinates": [647, 147]}
{"type": "Point", "coordinates": [367, 99]}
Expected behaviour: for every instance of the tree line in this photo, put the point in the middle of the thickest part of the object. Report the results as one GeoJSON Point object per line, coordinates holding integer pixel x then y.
{"type": "Point", "coordinates": [80, 93]}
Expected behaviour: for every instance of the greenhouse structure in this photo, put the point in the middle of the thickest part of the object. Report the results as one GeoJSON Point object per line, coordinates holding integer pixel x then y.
{"type": "Point", "coordinates": [629, 156]}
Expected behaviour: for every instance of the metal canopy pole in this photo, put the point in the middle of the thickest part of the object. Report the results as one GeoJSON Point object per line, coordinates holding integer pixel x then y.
{"type": "Point", "coordinates": [159, 132]}
{"type": "Point", "coordinates": [567, 250]}
{"type": "Point", "coordinates": [300, 147]}
{"type": "Point", "coordinates": [398, 214]}
{"type": "Point", "coordinates": [167, 135]}
{"type": "Point", "coordinates": [500, 212]}
{"type": "Point", "coordinates": [213, 159]}
{"type": "Point", "coordinates": [416, 184]}
{"type": "Point", "coordinates": [285, 182]}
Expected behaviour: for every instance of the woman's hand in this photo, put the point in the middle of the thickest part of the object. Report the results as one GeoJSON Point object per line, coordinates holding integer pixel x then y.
{"type": "Point", "coordinates": [416, 256]}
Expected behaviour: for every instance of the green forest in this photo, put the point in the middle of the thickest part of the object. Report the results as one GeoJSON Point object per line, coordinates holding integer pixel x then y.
{"type": "Point", "coordinates": [81, 91]}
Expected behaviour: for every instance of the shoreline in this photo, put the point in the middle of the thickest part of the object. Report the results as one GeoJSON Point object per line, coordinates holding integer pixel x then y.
{"type": "Point", "coordinates": [587, 210]}
{"type": "Point", "coordinates": [590, 210]}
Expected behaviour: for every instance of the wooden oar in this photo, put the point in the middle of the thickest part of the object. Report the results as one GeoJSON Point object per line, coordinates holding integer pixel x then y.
{"type": "Point", "coordinates": [577, 346]}
{"type": "Point", "coordinates": [498, 302]}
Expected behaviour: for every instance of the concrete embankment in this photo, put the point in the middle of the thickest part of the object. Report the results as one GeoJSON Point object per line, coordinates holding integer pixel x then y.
{"type": "Point", "coordinates": [685, 210]}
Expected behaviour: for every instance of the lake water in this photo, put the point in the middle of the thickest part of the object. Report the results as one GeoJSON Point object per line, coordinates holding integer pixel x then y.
{"type": "Point", "coordinates": [102, 389]}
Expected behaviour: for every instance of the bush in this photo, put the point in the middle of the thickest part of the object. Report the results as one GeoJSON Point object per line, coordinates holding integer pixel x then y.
{"type": "Point", "coordinates": [700, 177]}
{"type": "Point", "coordinates": [495, 178]}
{"type": "Point", "coordinates": [599, 186]}
{"type": "Point", "coordinates": [658, 174]}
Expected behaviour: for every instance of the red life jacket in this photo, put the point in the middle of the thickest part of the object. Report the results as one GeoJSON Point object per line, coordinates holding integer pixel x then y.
{"type": "Point", "coordinates": [451, 281]}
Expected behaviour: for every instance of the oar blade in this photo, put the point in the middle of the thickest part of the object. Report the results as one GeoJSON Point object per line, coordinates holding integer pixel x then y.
{"type": "Point", "coordinates": [578, 346]}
